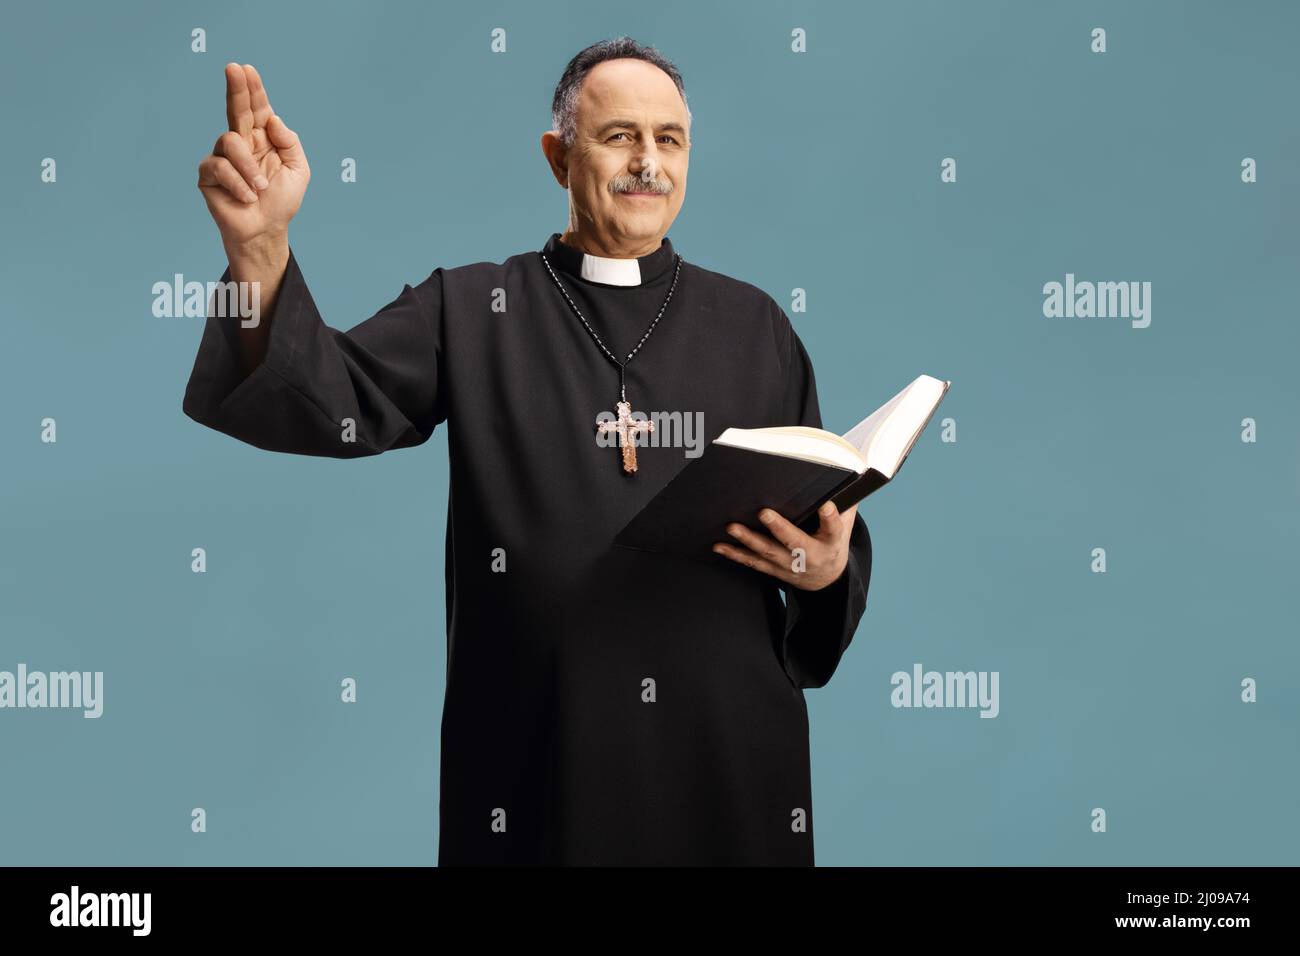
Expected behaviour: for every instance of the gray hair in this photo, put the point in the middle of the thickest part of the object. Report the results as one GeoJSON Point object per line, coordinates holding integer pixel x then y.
{"type": "Point", "coordinates": [564, 105]}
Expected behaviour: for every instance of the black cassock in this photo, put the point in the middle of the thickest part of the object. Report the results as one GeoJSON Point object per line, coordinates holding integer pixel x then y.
{"type": "Point", "coordinates": [603, 706]}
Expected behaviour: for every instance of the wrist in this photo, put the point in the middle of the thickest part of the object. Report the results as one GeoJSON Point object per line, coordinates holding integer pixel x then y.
{"type": "Point", "coordinates": [835, 582]}
{"type": "Point", "coordinates": [268, 252]}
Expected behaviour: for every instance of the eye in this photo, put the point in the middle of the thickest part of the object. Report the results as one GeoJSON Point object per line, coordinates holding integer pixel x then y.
{"type": "Point", "coordinates": [662, 136]}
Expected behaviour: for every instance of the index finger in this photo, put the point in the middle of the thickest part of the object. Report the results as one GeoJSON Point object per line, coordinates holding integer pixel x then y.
{"type": "Point", "coordinates": [239, 110]}
{"type": "Point", "coordinates": [258, 101]}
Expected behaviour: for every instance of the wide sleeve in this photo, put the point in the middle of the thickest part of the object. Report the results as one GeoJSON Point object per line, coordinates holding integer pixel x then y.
{"type": "Point", "coordinates": [320, 391]}
{"type": "Point", "coordinates": [819, 624]}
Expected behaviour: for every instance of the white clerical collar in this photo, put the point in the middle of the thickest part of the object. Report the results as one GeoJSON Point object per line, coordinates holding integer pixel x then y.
{"type": "Point", "coordinates": [602, 270]}
{"type": "Point", "coordinates": [611, 271]}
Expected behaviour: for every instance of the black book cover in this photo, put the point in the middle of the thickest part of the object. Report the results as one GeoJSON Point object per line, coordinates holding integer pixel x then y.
{"type": "Point", "coordinates": [729, 484]}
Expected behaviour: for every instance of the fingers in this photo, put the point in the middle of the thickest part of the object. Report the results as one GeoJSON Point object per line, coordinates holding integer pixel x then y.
{"type": "Point", "coordinates": [760, 545]}
{"type": "Point", "coordinates": [286, 143]}
{"type": "Point", "coordinates": [239, 110]}
{"type": "Point", "coordinates": [753, 560]}
{"type": "Point", "coordinates": [217, 171]}
{"type": "Point", "coordinates": [235, 148]}
{"type": "Point", "coordinates": [788, 534]}
{"type": "Point", "coordinates": [773, 555]}
{"type": "Point", "coordinates": [257, 99]}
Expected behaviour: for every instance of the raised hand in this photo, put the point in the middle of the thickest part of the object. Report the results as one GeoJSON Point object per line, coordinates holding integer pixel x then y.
{"type": "Point", "coordinates": [256, 175]}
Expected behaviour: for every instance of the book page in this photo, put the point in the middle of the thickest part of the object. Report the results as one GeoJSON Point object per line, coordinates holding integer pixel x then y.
{"type": "Point", "coordinates": [892, 439]}
{"type": "Point", "coordinates": [809, 444]}
{"type": "Point", "coordinates": [861, 434]}
{"type": "Point", "coordinates": [880, 441]}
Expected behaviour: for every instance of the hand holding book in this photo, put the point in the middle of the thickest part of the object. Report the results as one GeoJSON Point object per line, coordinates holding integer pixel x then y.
{"type": "Point", "coordinates": [806, 561]}
{"type": "Point", "coordinates": [790, 469]}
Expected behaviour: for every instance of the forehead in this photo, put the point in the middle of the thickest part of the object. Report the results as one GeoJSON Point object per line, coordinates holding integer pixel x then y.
{"type": "Point", "coordinates": [632, 87]}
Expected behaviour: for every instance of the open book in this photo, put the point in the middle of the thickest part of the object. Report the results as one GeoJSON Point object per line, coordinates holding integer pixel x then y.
{"type": "Point", "coordinates": [792, 469]}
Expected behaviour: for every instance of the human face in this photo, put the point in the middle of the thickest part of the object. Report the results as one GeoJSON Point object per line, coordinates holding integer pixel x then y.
{"type": "Point", "coordinates": [626, 169]}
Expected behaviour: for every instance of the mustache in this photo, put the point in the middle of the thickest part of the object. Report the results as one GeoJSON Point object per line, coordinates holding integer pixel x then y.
{"type": "Point", "coordinates": [635, 184]}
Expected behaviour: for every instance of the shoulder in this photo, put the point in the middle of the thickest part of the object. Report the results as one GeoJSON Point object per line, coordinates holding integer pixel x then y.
{"type": "Point", "coordinates": [736, 292]}
{"type": "Point", "coordinates": [746, 303]}
{"type": "Point", "coordinates": [484, 269]}
{"type": "Point", "coordinates": [447, 285]}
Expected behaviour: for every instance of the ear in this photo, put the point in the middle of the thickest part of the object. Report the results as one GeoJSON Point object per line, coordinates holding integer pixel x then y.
{"type": "Point", "coordinates": [557, 157]}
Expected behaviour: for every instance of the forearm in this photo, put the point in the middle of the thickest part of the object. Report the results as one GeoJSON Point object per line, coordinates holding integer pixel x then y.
{"type": "Point", "coordinates": [820, 624]}
{"type": "Point", "coordinates": [263, 262]}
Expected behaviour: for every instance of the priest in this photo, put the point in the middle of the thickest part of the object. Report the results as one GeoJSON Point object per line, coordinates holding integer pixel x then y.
{"type": "Point", "coordinates": [603, 706]}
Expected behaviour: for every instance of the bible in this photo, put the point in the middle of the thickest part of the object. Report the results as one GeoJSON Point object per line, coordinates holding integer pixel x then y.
{"type": "Point", "coordinates": [791, 469]}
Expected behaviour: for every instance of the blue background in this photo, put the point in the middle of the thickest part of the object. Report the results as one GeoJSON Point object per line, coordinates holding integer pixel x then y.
{"type": "Point", "coordinates": [819, 171]}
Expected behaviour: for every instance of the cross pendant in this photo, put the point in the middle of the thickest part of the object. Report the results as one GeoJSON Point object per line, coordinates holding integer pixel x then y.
{"type": "Point", "coordinates": [626, 428]}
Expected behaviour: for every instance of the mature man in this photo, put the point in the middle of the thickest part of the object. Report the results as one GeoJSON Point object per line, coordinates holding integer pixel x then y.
{"type": "Point", "coordinates": [603, 705]}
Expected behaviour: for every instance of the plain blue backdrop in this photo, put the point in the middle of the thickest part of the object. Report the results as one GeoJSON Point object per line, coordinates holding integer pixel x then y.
{"type": "Point", "coordinates": [817, 171]}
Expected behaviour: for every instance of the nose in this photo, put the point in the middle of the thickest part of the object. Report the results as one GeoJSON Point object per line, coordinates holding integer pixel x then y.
{"type": "Point", "coordinates": [646, 166]}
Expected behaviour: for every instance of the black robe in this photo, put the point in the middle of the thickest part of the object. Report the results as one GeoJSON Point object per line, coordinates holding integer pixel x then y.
{"type": "Point", "coordinates": [603, 706]}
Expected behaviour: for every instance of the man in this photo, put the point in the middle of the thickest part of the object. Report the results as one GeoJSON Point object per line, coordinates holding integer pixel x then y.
{"type": "Point", "coordinates": [603, 705]}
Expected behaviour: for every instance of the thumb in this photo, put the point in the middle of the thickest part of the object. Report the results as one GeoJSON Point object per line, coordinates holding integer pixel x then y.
{"type": "Point", "coordinates": [828, 527]}
{"type": "Point", "coordinates": [286, 143]}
